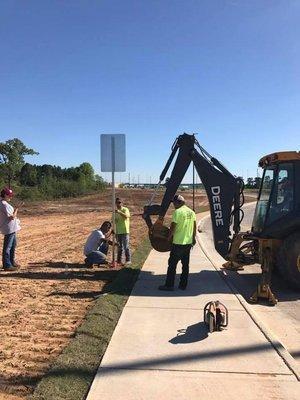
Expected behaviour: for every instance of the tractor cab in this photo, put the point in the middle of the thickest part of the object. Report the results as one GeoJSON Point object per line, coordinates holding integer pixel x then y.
{"type": "Point", "coordinates": [278, 202]}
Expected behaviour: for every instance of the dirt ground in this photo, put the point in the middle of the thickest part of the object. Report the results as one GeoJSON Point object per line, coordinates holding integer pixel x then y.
{"type": "Point", "coordinates": [43, 303]}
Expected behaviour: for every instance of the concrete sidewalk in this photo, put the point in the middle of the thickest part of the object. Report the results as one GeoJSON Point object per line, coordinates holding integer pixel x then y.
{"type": "Point", "coordinates": [161, 349]}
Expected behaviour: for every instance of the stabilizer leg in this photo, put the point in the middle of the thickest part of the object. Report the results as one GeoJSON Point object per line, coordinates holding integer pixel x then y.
{"type": "Point", "coordinates": [263, 290]}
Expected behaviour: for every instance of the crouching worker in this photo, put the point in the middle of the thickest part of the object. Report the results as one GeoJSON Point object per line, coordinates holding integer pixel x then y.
{"type": "Point", "coordinates": [96, 246]}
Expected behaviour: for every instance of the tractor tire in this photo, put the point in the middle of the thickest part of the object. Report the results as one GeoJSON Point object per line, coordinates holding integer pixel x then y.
{"type": "Point", "coordinates": [288, 260]}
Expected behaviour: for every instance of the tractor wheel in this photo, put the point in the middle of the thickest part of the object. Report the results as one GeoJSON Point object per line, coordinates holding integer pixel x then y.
{"type": "Point", "coordinates": [288, 260]}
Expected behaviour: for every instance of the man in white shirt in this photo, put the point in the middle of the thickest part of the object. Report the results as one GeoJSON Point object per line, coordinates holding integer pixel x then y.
{"type": "Point", "coordinates": [96, 246]}
{"type": "Point", "coordinates": [9, 226]}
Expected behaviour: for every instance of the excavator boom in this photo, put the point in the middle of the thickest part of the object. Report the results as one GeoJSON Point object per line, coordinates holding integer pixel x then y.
{"type": "Point", "coordinates": [223, 189]}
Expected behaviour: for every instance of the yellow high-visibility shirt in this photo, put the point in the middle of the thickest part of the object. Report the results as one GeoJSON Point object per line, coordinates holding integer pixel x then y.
{"type": "Point", "coordinates": [184, 218]}
{"type": "Point", "coordinates": [122, 224]}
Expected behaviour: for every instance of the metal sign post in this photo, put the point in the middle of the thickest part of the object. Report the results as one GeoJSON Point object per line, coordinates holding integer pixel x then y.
{"type": "Point", "coordinates": [113, 167]}
{"type": "Point", "coordinates": [113, 160]}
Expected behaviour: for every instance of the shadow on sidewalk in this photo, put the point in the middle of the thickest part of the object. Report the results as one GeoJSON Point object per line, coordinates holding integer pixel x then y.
{"type": "Point", "coordinates": [193, 333]}
{"type": "Point", "coordinates": [203, 282]}
{"type": "Point", "coordinates": [177, 361]}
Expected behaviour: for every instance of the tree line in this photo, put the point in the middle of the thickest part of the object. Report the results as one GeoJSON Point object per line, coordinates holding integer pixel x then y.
{"type": "Point", "coordinates": [43, 182]}
{"type": "Point", "coordinates": [253, 183]}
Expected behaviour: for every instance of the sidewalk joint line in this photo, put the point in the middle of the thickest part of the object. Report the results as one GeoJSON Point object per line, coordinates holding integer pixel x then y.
{"type": "Point", "coordinates": [198, 371]}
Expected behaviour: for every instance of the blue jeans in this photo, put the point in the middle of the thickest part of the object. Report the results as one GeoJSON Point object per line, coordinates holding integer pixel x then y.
{"type": "Point", "coordinates": [9, 247]}
{"type": "Point", "coordinates": [123, 247]}
{"type": "Point", "coordinates": [98, 256]}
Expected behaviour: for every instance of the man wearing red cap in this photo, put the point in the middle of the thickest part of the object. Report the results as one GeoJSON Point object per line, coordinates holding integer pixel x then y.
{"type": "Point", "coordinates": [9, 226]}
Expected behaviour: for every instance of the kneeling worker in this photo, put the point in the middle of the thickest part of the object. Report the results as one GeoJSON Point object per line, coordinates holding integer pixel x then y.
{"type": "Point", "coordinates": [96, 246]}
{"type": "Point", "coordinates": [182, 234]}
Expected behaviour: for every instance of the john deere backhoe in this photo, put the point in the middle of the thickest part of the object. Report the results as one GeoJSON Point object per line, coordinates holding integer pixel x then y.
{"type": "Point", "coordinates": [274, 240]}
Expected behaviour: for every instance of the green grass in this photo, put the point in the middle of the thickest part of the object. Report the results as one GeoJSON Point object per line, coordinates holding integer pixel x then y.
{"type": "Point", "coordinates": [71, 375]}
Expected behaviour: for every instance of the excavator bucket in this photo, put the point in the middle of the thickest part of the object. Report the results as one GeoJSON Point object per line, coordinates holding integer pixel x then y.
{"type": "Point", "coordinates": [158, 235]}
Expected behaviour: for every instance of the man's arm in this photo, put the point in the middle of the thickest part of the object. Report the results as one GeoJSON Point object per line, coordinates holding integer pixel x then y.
{"type": "Point", "coordinates": [13, 215]}
{"type": "Point", "coordinates": [125, 215]}
{"type": "Point", "coordinates": [106, 240]}
{"type": "Point", "coordinates": [194, 233]}
{"type": "Point", "coordinates": [172, 230]}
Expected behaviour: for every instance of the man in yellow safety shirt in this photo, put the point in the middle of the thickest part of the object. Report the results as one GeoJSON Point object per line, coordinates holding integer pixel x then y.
{"type": "Point", "coordinates": [122, 231]}
{"type": "Point", "coordinates": [183, 234]}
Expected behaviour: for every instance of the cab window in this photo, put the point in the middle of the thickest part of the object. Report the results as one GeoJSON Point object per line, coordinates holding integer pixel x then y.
{"type": "Point", "coordinates": [282, 201]}
{"type": "Point", "coordinates": [263, 201]}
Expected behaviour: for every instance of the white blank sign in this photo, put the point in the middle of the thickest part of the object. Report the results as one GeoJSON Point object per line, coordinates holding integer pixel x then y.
{"type": "Point", "coordinates": [113, 153]}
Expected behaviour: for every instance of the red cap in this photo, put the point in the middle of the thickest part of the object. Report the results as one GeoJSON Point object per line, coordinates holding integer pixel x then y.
{"type": "Point", "coordinates": [6, 192]}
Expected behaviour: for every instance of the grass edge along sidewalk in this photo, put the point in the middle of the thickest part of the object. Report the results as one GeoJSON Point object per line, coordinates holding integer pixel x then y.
{"type": "Point", "coordinates": [71, 375]}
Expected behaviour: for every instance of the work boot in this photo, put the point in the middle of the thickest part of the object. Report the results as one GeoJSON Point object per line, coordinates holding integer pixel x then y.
{"type": "Point", "coordinates": [88, 264]}
{"type": "Point", "coordinates": [11, 268]}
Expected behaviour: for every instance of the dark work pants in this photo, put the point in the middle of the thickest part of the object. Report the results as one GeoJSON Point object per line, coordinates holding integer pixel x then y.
{"type": "Point", "coordinates": [179, 253]}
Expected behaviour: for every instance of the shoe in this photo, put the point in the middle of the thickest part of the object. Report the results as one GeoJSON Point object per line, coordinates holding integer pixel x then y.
{"type": "Point", "coordinates": [166, 288]}
{"type": "Point", "coordinates": [17, 265]}
{"type": "Point", "coordinates": [181, 287]}
{"type": "Point", "coordinates": [88, 264]}
{"type": "Point", "coordinates": [120, 265]}
{"type": "Point", "coordinates": [128, 263]}
{"type": "Point", "coordinates": [12, 268]}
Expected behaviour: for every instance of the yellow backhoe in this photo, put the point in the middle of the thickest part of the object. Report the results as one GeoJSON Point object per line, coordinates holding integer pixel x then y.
{"type": "Point", "coordinates": [274, 240]}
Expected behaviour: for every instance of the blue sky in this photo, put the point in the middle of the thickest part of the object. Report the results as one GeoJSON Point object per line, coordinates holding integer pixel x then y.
{"type": "Point", "coordinates": [227, 69]}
